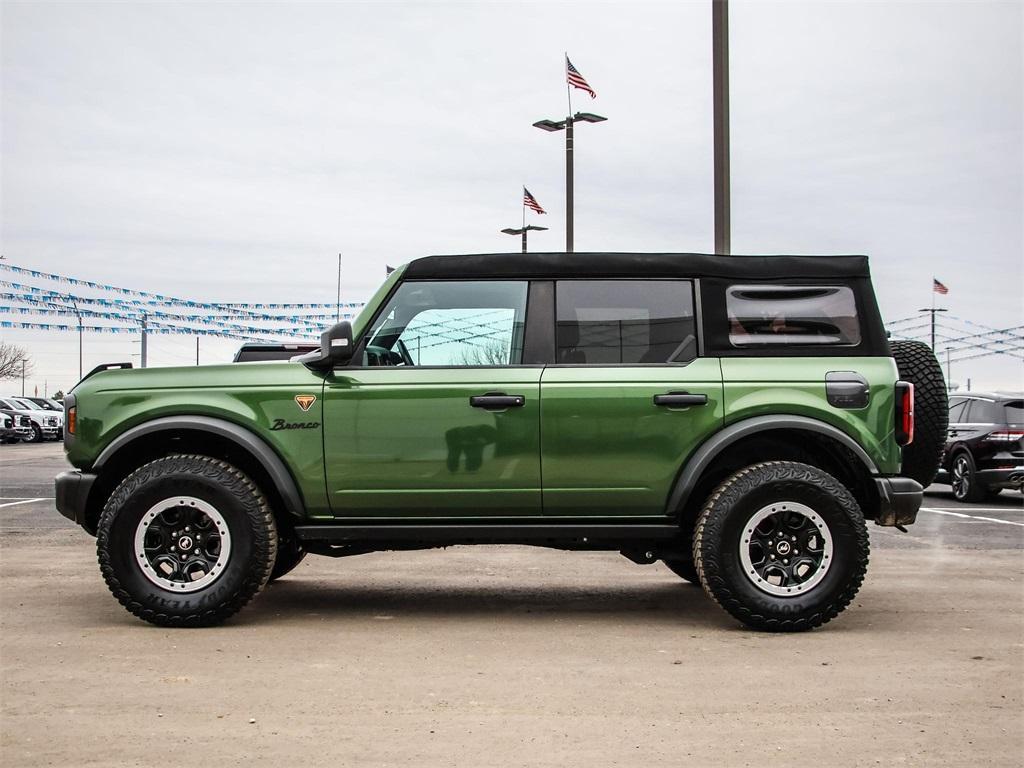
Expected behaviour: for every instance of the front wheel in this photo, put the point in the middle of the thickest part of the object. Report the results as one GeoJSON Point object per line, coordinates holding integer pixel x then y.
{"type": "Point", "coordinates": [37, 434]}
{"type": "Point", "coordinates": [186, 540]}
{"type": "Point", "coordinates": [782, 546]}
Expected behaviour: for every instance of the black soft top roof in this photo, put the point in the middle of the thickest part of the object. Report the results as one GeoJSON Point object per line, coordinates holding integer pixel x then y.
{"type": "Point", "coordinates": [513, 265]}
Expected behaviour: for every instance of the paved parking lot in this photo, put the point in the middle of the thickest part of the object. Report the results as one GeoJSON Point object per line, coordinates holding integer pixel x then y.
{"type": "Point", "coordinates": [512, 656]}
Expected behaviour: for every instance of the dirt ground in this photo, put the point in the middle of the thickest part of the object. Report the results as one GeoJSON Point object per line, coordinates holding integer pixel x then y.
{"type": "Point", "coordinates": [512, 656]}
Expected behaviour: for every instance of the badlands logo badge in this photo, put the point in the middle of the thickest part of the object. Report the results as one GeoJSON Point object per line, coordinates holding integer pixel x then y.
{"type": "Point", "coordinates": [305, 402]}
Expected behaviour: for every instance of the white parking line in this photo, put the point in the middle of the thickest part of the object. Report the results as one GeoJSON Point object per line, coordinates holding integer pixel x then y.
{"type": "Point", "coordinates": [970, 517]}
{"type": "Point", "coordinates": [23, 501]}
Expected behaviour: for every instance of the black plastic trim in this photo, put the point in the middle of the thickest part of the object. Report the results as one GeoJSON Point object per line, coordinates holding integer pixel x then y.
{"type": "Point", "coordinates": [263, 453]}
{"type": "Point", "coordinates": [714, 445]}
{"type": "Point", "coordinates": [588, 534]}
{"type": "Point", "coordinates": [539, 336]}
{"type": "Point", "coordinates": [71, 489]}
{"type": "Point", "coordinates": [899, 499]}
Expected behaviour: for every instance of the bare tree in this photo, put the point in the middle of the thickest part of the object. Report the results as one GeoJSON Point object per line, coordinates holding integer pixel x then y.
{"type": "Point", "coordinates": [490, 353]}
{"type": "Point", "coordinates": [12, 358]}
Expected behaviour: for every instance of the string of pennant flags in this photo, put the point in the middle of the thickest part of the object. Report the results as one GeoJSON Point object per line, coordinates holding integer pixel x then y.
{"type": "Point", "coordinates": [36, 293]}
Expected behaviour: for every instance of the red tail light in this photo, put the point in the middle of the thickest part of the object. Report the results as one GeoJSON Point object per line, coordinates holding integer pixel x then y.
{"type": "Point", "coordinates": [904, 412]}
{"type": "Point", "coordinates": [1006, 435]}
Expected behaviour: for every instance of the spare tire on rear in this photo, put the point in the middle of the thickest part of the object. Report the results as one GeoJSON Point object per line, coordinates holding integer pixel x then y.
{"type": "Point", "coordinates": [917, 364]}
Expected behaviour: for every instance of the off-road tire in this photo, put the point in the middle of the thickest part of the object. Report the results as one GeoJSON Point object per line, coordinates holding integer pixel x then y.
{"type": "Point", "coordinates": [684, 568]}
{"type": "Point", "coordinates": [720, 531]}
{"type": "Point", "coordinates": [917, 364]}
{"type": "Point", "coordinates": [249, 520]}
{"type": "Point", "coordinates": [289, 554]}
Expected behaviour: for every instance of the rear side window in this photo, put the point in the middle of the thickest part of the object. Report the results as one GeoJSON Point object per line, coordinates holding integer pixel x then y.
{"type": "Point", "coordinates": [607, 322]}
{"type": "Point", "coordinates": [1014, 410]}
{"type": "Point", "coordinates": [792, 315]}
{"type": "Point", "coordinates": [956, 411]}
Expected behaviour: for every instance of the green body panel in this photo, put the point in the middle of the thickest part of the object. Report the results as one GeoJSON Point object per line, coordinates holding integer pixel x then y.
{"type": "Point", "coordinates": [404, 441]}
{"type": "Point", "coordinates": [252, 395]}
{"type": "Point", "coordinates": [796, 386]}
{"type": "Point", "coordinates": [607, 449]}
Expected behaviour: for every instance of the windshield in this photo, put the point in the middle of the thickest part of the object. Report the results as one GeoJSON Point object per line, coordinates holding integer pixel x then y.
{"type": "Point", "coordinates": [28, 404]}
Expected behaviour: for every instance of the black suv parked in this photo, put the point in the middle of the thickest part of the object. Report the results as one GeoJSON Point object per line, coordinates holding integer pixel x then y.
{"type": "Point", "coordinates": [985, 448]}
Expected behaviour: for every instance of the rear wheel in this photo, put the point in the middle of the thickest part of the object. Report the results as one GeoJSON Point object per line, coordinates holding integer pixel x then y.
{"type": "Point", "coordinates": [917, 364]}
{"type": "Point", "coordinates": [186, 540]}
{"type": "Point", "coordinates": [964, 479]}
{"type": "Point", "coordinates": [782, 546]}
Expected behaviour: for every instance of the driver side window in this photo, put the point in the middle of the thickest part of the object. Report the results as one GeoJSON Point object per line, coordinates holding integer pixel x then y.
{"type": "Point", "coordinates": [450, 323]}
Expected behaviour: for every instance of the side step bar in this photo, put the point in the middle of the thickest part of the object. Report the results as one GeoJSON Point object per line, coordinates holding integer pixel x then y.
{"type": "Point", "coordinates": [598, 536]}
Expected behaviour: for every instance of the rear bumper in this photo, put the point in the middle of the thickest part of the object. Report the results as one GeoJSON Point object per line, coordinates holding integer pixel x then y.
{"type": "Point", "coordinates": [1004, 477]}
{"type": "Point", "coordinates": [899, 498]}
{"type": "Point", "coordinates": [72, 492]}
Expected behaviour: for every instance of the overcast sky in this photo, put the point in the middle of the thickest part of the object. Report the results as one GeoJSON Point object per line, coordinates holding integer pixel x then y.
{"type": "Point", "coordinates": [229, 151]}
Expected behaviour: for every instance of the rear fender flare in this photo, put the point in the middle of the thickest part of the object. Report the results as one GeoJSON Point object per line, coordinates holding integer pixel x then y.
{"type": "Point", "coordinates": [705, 455]}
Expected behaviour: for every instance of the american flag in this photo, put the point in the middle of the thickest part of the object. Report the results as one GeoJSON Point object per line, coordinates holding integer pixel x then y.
{"type": "Point", "coordinates": [531, 202]}
{"type": "Point", "coordinates": [939, 287]}
{"type": "Point", "coordinates": [576, 79]}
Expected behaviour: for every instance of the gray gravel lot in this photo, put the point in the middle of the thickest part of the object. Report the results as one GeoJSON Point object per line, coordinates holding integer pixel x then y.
{"type": "Point", "coordinates": [511, 656]}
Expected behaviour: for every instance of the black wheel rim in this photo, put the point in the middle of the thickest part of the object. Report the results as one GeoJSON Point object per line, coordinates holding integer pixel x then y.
{"type": "Point", "coordinates": [182, 544]}
{"type": "Point", "coordinates": [786, 549]}
{"type": "Point", "coordinates": [961, 476]}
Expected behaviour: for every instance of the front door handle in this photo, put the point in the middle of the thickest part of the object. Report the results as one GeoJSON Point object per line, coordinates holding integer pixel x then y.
{"type": "Point", "coordinates": [496, 401]}
{"type": "Point", "coordinates": [680, 399]}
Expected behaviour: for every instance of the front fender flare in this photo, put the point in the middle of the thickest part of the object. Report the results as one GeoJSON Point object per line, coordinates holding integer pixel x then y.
{"type": "Point", "coordinates": [702, 458]}
{"type": "Point", "coordinates": [242, 437]}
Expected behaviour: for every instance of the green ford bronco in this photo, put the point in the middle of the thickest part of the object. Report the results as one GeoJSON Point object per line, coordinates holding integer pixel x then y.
{"type": "Point", "coordinates": [738, 418]}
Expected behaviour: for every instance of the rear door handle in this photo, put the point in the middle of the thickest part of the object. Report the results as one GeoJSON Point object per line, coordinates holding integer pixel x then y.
{"type": "Point", "coordinates": [496, 401]}
{"type": "Point", "coordinates": [678, 399]}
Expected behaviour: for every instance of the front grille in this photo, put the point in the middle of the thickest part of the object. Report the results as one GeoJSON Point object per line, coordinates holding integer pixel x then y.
{"type": "Point", "coordinates": [52, 421]}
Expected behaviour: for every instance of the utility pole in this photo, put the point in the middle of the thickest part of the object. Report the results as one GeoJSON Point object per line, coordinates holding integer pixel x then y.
{"type": "Point", "coordinates": [142, 350]}
{"type": "Point", "coordinates": [339, 288]}
{"type": "Point", "coordinates": [78, 313]}
{"type": "Point", "coordinates": [932, 310]}
{"type": "Point", "coordinates": [197, 350]}
{"type": "Point", "coordinates": [720, 99]}
{"type": "Point", "coordinates": [23, 377]}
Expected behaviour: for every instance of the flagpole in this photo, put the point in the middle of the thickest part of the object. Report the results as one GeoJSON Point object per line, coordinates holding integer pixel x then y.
{"type": "Point", "coordinates": [568, 164]}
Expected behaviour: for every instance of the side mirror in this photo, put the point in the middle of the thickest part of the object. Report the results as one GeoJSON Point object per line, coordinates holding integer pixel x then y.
{"type": "Point", "coordinates": [336, 348]}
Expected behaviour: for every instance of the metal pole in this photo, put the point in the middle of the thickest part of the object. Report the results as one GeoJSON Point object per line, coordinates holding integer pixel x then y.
{"type": "Point", "coordinates": [524, 239]}
{"type": "Point", "coordinates": [78, 313]}
{"type": "Point", "coordinates": [568, 185]}
{"type": "Point", "coordinates": [339, 288]}
{"type": "Point", "coordinates": [23, 377]}
{"type": "Point", "coordinates": [720, 99]}
{"type": "Point", "coordinates": [948, 373]}
{"type": "Point", "coordinates": [197, 350]}
{"type": "Point", "coordinates": [933, 331]}
{"type": "Point", "coordinates": [142, 351]}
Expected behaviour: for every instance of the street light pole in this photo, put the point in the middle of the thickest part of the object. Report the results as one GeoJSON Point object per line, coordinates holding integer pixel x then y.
{"type": "Point", "coordinates": [720, 99]}
{"type": "Point", "coordinates": [522, 231]}
{"type": "Point", "coordinates": [568, 185]}
{"type": "Point", "coordinates": [567, 126]}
